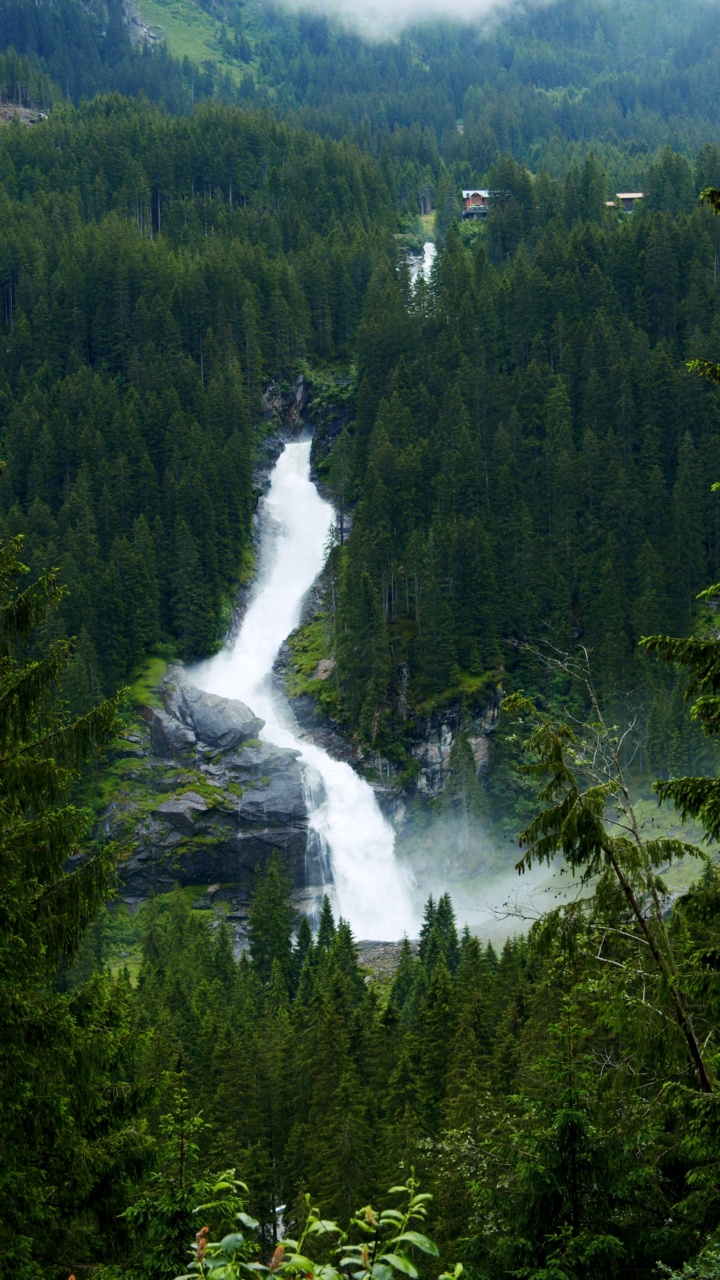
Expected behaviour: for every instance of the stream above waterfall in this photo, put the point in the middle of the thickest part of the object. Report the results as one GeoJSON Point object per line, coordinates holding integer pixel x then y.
{"type": "Point", "coordinates": [351, 838]}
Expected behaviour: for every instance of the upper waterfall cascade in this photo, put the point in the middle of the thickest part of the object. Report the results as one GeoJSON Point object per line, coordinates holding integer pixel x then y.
{"type": "Point", "coordinates": [369, 888]}
{"type": "Point", "coordinates": [423, 265]}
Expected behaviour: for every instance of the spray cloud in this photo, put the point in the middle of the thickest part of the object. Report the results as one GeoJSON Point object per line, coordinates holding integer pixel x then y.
{"type": "Point", "coordinates": [380, 19]}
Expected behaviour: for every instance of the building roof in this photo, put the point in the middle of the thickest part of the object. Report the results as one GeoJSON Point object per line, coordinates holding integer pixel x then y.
{"type": "Point", "coordinates": [475, 192]}
{"type": "Point", "coordinates": [629, 195]}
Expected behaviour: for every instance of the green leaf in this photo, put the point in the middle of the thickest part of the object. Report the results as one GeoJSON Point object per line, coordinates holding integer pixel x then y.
{"type": "Point", "coordinates": [251, 1223]}
{"type": "Point", "coordinates": [297, 1260]}
{"type": "Point", "coordinates": [399, 1263]}
{"type": "Point", "coordinates": [422, 1242]}
{"type": "Point", "coordinates": [230, 1244]}
{"type": "Point", "coordinates": [323, 1226]}
{"type": "Point", "coordinates": [380, 1272]}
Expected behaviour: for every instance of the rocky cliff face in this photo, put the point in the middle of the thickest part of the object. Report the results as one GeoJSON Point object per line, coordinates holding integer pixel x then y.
{"type": "Point", "coordinates": [202, 800]}
{"type": "Point", "coordinates": [432, 735]}
{"type": "Point", "coordinates": [433, 738]}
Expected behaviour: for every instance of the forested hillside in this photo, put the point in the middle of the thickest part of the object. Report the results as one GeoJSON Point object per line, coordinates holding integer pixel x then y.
{"type": "Point", "coordinates": [546, 86]}
{"type": "Point", "coordinates": [530, 460]}
{"type": "Point", "coordinates": [156, 273]}
{"type": "Point", "coordinates": [86, 49]}
{"type": "Point", "coordinates": [478, 1070]}
{"type": "Point", "coordinates": [523, 464]}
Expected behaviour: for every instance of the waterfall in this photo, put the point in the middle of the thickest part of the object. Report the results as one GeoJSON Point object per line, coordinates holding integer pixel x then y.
{"type": "Point", "coordinates": [348, 833]}
{"type": "Point", "coordinates": [423, 265]}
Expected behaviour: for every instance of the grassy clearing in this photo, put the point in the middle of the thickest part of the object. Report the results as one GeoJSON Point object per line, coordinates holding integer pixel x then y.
{"type": "Point", "coordinates": [143, 690]}
{"type": "Point", "coordinates": [308, 646]}
{"type": "Point", "coordinates": [190, 32]}
{"type": "Point", "coordinates": [417, 229]}
{"type": "Point", "coordinates": [427, 225]}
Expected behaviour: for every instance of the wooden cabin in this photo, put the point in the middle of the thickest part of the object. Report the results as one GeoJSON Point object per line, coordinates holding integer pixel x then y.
{"type": "Point", "coordinates": [475, 203]}
{"type": "Point", "coordinates": [626, 200]}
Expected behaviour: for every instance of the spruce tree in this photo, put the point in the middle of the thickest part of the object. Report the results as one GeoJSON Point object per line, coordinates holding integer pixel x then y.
{"type": "Point", "coordinates": [326, 927]}
{"type": "Point", "coordinates": [271, 920]}
{"type": "Point", "coordinates": [54, 1123]}
{"type": "Point", "coordinates": [435, 1032]}
{"type": "Point", "coordinates": [426, 927]}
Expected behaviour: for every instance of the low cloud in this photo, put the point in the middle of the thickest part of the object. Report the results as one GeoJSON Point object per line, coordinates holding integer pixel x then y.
{"type": "Point", "coordinates": [378, 20]}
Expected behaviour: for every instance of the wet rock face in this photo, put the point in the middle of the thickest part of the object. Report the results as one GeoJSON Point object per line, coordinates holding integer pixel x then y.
{"type": "Point", "coordinates": [433, 740]}
{"type": "Point", "coordinates": [205, 800]}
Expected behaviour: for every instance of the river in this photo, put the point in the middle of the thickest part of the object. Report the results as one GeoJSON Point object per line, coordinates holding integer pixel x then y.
{"type": "Point", "coordinates": [365, 881]}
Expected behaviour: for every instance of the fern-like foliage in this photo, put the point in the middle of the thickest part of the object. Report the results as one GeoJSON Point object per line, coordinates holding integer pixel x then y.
{"type": "Point", "coordinates": [589, 819]}
{"type": "Point", "coordinates": [576, 822]}
{"type": "Point", "coordinates": [700, 656]}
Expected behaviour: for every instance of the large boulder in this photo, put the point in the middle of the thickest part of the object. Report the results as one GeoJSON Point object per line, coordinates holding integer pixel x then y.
{"type": "Point", "coordinates": [218, 722]}
{"type": "Point", "coordinates": [168, 736]}
{"type": "Point", "coordinates": [182, 810]}
{"type": "Point", "coordinates": [211, 800]}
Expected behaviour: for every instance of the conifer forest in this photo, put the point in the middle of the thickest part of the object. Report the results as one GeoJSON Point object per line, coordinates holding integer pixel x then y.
{"type": "Point", "coordinates": [359, 646]}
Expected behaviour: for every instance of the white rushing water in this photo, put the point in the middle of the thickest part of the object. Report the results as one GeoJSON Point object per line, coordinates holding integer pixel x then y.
{"type": "Point", "coordinates": [369, 888]}
{"type": "Point", "coordinates": [423, 266]}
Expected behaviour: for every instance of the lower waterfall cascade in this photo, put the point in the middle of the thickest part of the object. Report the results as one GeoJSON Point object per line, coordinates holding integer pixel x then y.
{"type": "Point", "coordinates": [366, 884]}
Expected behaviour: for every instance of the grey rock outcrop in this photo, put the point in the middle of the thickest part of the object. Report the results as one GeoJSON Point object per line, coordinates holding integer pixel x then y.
{"type": "Point", "coordinates": [216, 722]}
{"type": "Point", "coordinates": [433, 739]}
{"type": "Point", "coordinates": [206, 800]}
{"type": "Point", "coordinates": [168, 737]}
{"type": "Point", "coordinates": [181, 811]}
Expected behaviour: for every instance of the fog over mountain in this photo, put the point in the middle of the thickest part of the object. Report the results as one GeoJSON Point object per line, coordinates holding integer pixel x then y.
{"type": "Point", "coordinates": [376, 19]}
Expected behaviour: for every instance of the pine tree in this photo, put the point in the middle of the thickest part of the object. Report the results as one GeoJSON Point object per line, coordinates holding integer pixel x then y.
{"type": "Point", "coordinates": [326, 927]}
{"type": "Point", "coordinates": [271, 920]}
{"type": "Point", "coordinates": [426, 927]}
{"type": "Point", "coordinates": [447, 931]}
{"type": "Point", "coordinates": [61, 1050]}
{"type": "Point", "coordinates": [435, 1031]}
{"type": "Point", "coordinates": [340, 476]}
{"type": "Point", "coordinates": [302, 951]}
{"type": "Point", "coordinates": [404, 975]}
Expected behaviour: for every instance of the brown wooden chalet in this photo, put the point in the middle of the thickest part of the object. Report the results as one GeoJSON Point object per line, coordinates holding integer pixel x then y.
{"type": "Point", "coordinates": [475, 203]}
{"type": "Point", "coordinates": [626, 200]}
